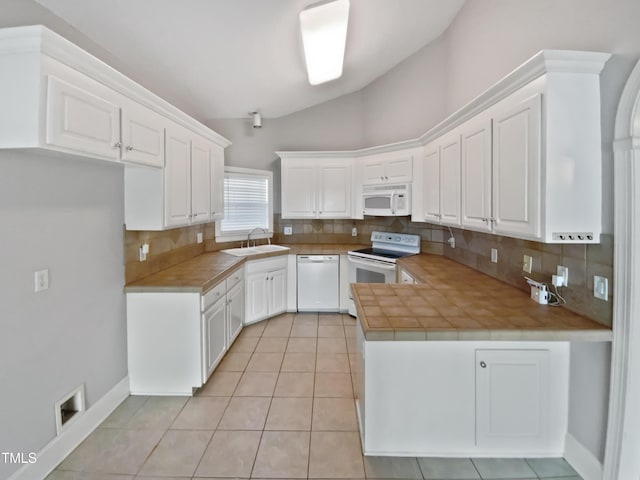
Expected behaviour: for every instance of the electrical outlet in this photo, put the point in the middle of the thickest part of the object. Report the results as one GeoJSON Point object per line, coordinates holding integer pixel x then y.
{"type": "Point", "coordinates": [288, 230]}
{"type": "Point", "coordinates": [601, 288]}
{"type": "Point", "coordinates": [42, 280]}
{"type": "Point", "coordinates": [564, 273]}
{"type": "Point", "coordinates": [527, 263]}
{"type": "Point", "coordinates": [354, 232]}
{"type": "Point", "coordinates": [494, 255]}
{"type": "Point", "coordinates": [199, 238]}
{"type": "Point", "coordinates": [144, 251]}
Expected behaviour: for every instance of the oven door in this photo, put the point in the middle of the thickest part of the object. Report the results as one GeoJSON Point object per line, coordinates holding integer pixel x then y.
{"type": "Point", "coordinates": [368, 271]}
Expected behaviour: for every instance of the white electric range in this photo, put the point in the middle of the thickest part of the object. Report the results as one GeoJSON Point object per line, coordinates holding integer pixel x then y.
{"type": "Point", "coordinates": [377, 264]}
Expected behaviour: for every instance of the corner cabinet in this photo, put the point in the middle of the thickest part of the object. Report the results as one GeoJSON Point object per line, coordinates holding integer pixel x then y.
{"type": "Point", "coordinates": [266, 288]}
{"type": "Point", "coordinates": [175, 340]}
{"type": "Point", "coordinates": [317, 187]}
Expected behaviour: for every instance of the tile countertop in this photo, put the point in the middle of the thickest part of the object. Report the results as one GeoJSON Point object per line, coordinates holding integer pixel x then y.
{"type": "Point", "coordinates": [197, 274]}
{"type": "Point", "coordinates": [203, 272]}
{"type": "Point", "coordinates": [455, 302]}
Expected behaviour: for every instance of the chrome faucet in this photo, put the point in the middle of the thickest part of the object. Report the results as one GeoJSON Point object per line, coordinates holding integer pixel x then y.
{"type": "Point", "coordinates": [253, 230]}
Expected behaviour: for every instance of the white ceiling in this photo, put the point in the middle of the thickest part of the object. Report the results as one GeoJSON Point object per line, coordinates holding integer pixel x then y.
{"type": "Point", "coordinates": [225, 58]}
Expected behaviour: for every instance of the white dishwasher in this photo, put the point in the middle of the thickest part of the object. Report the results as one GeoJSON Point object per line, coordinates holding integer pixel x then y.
{"type": "Point", "coordinates": [318, 283]}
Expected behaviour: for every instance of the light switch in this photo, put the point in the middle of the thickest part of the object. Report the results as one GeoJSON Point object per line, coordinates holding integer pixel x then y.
{"type": "Point", "coordinates": [199, 237]}
{"type": "Point", "coordinates": [527, 263]}
{"type": "Point", "coordinates": [42, 280]}
{"type": "Point", "coordinates": [494, 255]}
{"type": "Point", "coordinates": [601, 288]}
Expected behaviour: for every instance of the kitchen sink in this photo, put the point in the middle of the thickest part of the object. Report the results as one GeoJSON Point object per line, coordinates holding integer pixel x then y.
{"type": "Point", "coordinates": [247, 251]}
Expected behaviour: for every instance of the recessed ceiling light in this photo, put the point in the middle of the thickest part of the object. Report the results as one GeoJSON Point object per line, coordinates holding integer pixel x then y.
{"type": "Point", "coordinates": [324, 35]}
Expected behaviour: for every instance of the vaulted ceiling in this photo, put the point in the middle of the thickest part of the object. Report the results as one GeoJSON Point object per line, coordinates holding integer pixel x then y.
{"type": "Point", "coordinates": [225, 58]}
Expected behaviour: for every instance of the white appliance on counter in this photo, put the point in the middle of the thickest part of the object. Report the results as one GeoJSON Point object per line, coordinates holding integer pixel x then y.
{"type": "Point", "coordinates": [378, 263]}
{"type": "Point", "coordinates": [386, 200]}
{"type": "Point", "coordinates": [318, 283]}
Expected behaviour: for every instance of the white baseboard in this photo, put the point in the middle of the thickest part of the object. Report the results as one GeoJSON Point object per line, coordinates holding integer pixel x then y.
{"type": "Point", "coordinates": [62, 445]}
{"type": "Point", "coordinates": [582, 460]}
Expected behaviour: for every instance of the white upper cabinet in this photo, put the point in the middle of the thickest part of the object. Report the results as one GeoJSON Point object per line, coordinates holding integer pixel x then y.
{"type": "Point", "coordinates": [217, 182]}
{"type": "Point", "coordinates": [81, 119]}
{"type": "Point", "coordinates": [530, 153]}
{"type": "Point", "coordinates": [142, 136]}
{"type": "Point", "coordinates": [177, 177]}
{"type": "Point", "coordinates": [200, 181]}
{"type": "Point", "coordinates": [450, 179]}
{"type": "Point", "coordinates": [516, 169]}
{"type": "Point", "coordinates": [475, 147]}
{"type": "Point", "coordinates": [441, 181]}
{"type": "Point", "coordinates": [317, 188]}
{"type": "Point", "coordinates": [334, 189]}
{"type": "Point", "coordinates": [62, 99]}
{"type": "Point", "coordinates": [394, 167]}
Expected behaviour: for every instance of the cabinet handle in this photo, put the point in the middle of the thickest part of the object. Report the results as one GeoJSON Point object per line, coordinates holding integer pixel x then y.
{"type": "Point", "coordinates": [271, 278]}
{"type": "Point", "coordinates": [118, 145]}
{"type": "Point", "coordinates": [230, 300]}
{"type": "Point", "coordinates": [129, 148]}
{"type": "Point", "coordinates": [483, 365]}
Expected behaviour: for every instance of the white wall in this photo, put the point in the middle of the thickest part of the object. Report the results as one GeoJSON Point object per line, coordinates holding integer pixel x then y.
{"type": "Point", "coordinates": [336, 125]}
{"type": "Point", "coordinates": [65, 215]}
{"type": "Point", "coordinates": [408, 100]}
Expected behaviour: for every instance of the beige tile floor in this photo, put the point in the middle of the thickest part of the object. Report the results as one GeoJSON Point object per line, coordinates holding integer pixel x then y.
{"type": "Point", "coordinates": [279, 405]}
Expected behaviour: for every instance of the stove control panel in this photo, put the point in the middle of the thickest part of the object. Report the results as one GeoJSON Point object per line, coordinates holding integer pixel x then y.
{"type": "Point", "coordinates": [396, 241]}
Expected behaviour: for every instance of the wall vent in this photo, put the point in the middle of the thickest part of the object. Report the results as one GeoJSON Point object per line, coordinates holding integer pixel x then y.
{"type": "Point", "coordinates": [69, 408]}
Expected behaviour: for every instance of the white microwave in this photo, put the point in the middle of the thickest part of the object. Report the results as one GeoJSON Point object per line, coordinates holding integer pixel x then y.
{"type": "Point", "coordinates": [386, 200]}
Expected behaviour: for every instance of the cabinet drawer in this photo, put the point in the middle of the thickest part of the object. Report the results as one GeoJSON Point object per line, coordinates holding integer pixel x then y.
{"type": "Point", "coordinates": [235, 278]}
{"type": "Point", "coordinates": [213, 295]}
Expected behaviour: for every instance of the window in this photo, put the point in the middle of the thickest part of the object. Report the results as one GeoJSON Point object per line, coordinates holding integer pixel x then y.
{"type": "Point", "coordinates": [248, 204]}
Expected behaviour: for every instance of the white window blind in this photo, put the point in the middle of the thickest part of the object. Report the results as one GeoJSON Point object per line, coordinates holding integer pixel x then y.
{"type": "Point", "coordinates": [247, 203]}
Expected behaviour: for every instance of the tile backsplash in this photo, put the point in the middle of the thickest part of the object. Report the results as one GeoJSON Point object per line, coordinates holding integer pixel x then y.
{"type": "Point", "coordinates": [584, 261]}
{"type": "Point", "coordinates": [171, 247]}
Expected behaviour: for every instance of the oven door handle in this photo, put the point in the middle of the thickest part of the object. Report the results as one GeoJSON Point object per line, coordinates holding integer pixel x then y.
{"type": "Point", "coordinates": [372, 263]}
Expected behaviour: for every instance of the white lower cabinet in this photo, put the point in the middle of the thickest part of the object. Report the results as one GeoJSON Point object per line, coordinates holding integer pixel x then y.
{"type": "Point", "coordinates": [434, 398]}
{"type": "Point", "coordinates": [266, 288]}
{"type": "Point", "coordinates": [176, 339]}
{"type": "Point", "coordinates": [215, 335]}
{"type": "Point", "coordinates": [513, 401]}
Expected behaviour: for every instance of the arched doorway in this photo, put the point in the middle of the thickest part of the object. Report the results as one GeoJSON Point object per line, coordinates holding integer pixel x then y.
{"type": "Point", "coordinates": [622, 458]}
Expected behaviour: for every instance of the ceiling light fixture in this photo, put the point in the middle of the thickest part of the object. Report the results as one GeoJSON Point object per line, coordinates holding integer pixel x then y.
{"type": "Point", "coordinates": [257, 119]}
{"type": "Point", "coordinates": [324, 35]}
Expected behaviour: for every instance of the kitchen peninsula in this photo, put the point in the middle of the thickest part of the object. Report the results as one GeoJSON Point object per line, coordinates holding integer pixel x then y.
{"type": "Point", "coordinates": [461, 364]}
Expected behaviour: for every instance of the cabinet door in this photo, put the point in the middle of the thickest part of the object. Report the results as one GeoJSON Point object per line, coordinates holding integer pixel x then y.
{"type": "Point", "coordinates": [277, 292]}
{"type": "Point", "coordinates": [217, 182]}
{"type": "Point", "coordinates": [512, 398]}
{"type": "Point", "coordinates": [334, 190]}
{"type": "Point", "coordinates": [215, 338]}
{"type": "Point", "coordinates": [177, 177]}
{"type": "Point", "coordinates": [516, 169]}
{"type": "Point", "coordinates": [399, 169]}
{"type": "Point", "coordinates": [256, 297]}
{"type": "Point", "coordinates": [142, 136]}
{"type": "Point", "coordinates": [373, 171]}
{"type": "Point", "coordinates": [81, 120]}
{"type": "Point", "coordinates": [476, 174]}
{"type": "Point", "coordinates": [431, 183]}
{"type": "Point", "coordinates": [200, 181]}
{"type": "Point", "coordinates": [235, 312]}
{"type": "Point", "coordinates": [450, 179]}
{"type": "Point", "coordinates": [299, 189]}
